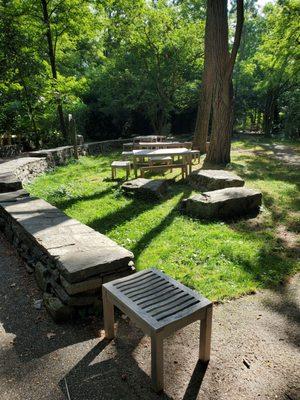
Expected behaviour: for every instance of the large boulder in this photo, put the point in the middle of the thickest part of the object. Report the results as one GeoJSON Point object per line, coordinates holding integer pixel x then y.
{"type": "Point", "coordinates": [223, 204]}
{"type": "Point", "coordinates": [146, 187]}
{"type": "Point", "coordinates": [211, 179]}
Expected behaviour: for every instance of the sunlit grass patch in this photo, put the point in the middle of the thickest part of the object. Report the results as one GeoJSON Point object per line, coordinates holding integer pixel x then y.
{"type": "Point", "coordinates": [221, 260]}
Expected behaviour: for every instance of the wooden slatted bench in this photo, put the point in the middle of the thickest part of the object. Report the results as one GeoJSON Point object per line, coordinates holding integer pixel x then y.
{"type": "Point", "coordinates": [183, 168]}
{"type": "Point", "coordinates": [159, 305]}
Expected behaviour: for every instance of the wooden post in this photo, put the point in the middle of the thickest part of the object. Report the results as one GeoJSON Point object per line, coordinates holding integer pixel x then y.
{"type": "Point", "coordinates": [157, 362]}
{"type": "Point", "coordinates": [205, 336]}
{"type": "Point", "coordinates": [108, 316]}
{"type": "Point", "coordinates": [73, 135]}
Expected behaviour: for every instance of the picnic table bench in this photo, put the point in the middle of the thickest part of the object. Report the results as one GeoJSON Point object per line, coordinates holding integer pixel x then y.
{"type": "Point", "coordinates": [159, 305]}
{"type": "Point", "coordinates": [139, 156]}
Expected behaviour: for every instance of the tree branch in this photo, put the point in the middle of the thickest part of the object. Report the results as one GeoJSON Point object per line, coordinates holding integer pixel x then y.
{"type": "Point", "coordinates": [237, 35]}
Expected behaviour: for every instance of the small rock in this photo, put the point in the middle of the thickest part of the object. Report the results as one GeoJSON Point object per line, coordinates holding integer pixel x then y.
{"type": "Point", "coordinates": [247, 363]}
{"type": "Point", "coordinates": [29, 269]}
{"type": "Point", "coordinates": [50, 335]}
{"type": "Point", "coordinates": [38, 304]}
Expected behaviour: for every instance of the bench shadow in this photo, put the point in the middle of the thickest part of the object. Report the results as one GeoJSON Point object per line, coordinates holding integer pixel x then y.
{"type": "Point", "coordinates": [110, 371]}
{"type": "Point", "coordinates": [195, 382]}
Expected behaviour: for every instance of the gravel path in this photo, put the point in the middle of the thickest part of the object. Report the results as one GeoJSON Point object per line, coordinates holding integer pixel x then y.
{"type": "Point", "coordinates": [255, 353]}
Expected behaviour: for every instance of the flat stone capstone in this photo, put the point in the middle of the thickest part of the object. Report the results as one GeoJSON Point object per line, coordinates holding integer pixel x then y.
{"type": "Point", "coordinates": [210, 179]}
{"type": "Point", "coordinates": [142, 186]}
{"type": "Point", "coordinates": [80, 251]}
{"type": "Point", "coordinates": [223, 203]}
{"type": "Point", "coordinates": [70, 260]}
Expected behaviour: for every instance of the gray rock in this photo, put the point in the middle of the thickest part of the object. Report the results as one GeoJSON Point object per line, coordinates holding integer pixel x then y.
{"type": "Point", "coordinates": [83, 299]}
{"type": "Point", "coordinates": [210, 179]}
{"type": "Point", "coordinates": [9, 182]}
{"type": "Point", "coordinates": [42, 276]}
{"type": "Point", "coordinates": [58, 311]}
{"type": "Point", "coordinates": [80, 287]}
{"type": "Point", "coordinates": [13, 196]}
{"type": "Point", "coordinates": [22, 169]}
{"type": "Point", "coordinates": [154, 187]}
{"type": "Point", "coordinates": [223, 204]}
{"type": "Point", "coordinates": [38, 304]}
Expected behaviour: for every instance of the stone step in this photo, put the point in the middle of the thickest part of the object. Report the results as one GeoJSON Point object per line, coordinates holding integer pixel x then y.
{"type": "Point", "coordinates": [210, 179]}
{"type": "Point", "coordinates": [223, 203]}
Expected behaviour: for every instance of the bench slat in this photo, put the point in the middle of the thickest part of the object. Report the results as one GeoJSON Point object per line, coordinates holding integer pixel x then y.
{"type": "Point", "coordinates": [131, 279]}
{"type": "Point", "coordinates": [162, 304]}
{"type": "Point", "coordinates": [174, 310]}
{"type": "Point", "coordinates": [164, 294]}
{"type": "Point", "coordinates": [141, 286]}
{"type": "Point", "coordinates": [156, 286]}
{"type": "Point", "coordinates": [131, 285]}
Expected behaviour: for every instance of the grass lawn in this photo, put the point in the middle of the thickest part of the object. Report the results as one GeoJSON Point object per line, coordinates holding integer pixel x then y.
{"type": "Point", "coordinates": [221, 260]}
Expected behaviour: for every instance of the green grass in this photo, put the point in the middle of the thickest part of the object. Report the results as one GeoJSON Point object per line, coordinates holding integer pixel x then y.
{"type": "Point", "coordinates": [220, 260]}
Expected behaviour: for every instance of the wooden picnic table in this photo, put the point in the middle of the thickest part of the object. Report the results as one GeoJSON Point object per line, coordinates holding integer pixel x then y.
{"type": "Point", "coordinates": [152, 138]}
{"type": "Point", "coordinates": [162, 145]}
{"type": "Point", "coordinates": [182, 152]}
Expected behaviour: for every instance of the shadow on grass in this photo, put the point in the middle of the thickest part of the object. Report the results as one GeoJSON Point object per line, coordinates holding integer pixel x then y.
{"type": "Point", "coordinates": [66, 203]}
{"type": "Point", "coordinates": [137, 206]}
{"type": "Point", "coordinates": [264, 167]}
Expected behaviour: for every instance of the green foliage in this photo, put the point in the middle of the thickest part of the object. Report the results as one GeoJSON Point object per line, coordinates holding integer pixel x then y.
{"type": "Point", "coordinates": [155, 66]}
{"type": "Point", "coordinates": [267, 73]}
{"type": "Point", "coordinates": [124, 66]}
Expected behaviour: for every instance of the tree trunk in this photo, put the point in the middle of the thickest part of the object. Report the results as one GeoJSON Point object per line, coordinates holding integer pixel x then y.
{"type": "Point", "coordinates": [269, 112]}
{"type": "Point", "coordinates": [30, 112]}
{"type": "Point", "coordinates": [204, 107]}
{"type": "Point", "coordinates": [52, 59]}
{"type": "Point", "coordinates": [222, 65]}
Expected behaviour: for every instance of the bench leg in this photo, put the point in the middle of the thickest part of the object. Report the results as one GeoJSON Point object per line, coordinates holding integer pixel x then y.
{"type": "Point", "coordinates": [108, 316]}
{"type": "Point", "coordinates": [205, 336]}
{"type": "Point", "coordinates": [112, 173]}
{"type": "Point", "coordinates": [157, 362]}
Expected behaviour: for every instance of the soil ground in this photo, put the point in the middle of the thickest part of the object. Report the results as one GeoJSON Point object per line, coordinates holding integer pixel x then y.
{"type": "Point", "coordinates": [255, 350]}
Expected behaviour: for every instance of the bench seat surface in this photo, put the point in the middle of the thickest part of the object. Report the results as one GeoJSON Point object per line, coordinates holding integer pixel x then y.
{"type": "Point", "coordinates": [155, 299]}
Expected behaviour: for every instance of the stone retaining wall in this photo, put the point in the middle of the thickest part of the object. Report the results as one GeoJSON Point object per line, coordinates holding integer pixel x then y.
{"type": "Point", "coordinates": [19, 170]}
{"type": "Point", "coordinates": [61, 155]}
{"type": "Point", "coordinates": [70, 260]}
{"type": "Point", "coordinates": [11, 150]}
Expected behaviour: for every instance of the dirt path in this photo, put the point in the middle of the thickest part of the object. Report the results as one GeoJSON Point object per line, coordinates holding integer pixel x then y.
{"type": "Point", "coordinates": [280, 152]}
{"type": "Point", "coordinates": [254, 350]}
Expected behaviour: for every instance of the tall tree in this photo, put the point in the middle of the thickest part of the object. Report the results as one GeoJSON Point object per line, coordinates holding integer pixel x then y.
{"type": "Point", "coordinates": [217, 81]}
{"type": "Point", "coordinates": [52, 58]}
{"type": "Point", "coordinates": [205, 102]}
